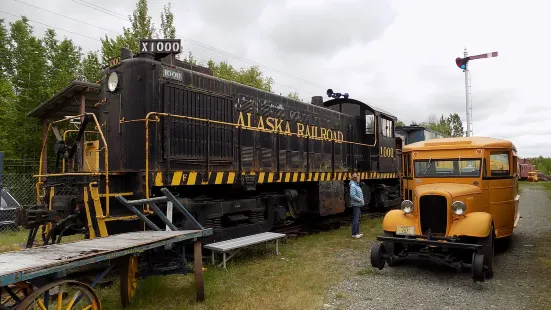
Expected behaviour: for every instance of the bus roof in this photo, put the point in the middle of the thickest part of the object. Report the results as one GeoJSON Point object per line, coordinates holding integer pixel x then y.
{"type": "Point", "coordinates": [460, 142]}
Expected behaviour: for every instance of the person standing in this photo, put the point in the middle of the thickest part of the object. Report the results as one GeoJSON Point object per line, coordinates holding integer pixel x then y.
{"type": "Point", "coordinates": [357, 202]}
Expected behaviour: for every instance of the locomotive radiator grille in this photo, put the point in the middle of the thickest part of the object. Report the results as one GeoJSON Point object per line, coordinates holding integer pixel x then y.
{"type": "Point", "coordinates": [433, 211]}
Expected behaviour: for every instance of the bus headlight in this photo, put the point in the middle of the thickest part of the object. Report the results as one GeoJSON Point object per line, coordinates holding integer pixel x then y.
{"type": "Point", "coordinates": [113, 81]}
{"type": "Point", "coordinates": [407, 206]}
{"type": "Point", "coordinates": [458, 208]}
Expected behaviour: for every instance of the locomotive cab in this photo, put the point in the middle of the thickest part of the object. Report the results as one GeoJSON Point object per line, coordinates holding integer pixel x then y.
{"type": "Point", "coordinates": [374, 128]}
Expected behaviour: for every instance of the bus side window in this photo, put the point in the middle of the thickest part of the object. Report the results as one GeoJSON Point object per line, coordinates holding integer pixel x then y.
{"type": "Point", "coordinates": [499, 164]}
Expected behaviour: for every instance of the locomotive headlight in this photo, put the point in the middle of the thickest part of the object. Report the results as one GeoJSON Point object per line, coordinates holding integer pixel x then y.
{"type": "Point", "coordinates": [113, 81]}
{"type": "Point", "coordinates": [458, 208]}
{"type": "Point", "coordinates": [407, 206]}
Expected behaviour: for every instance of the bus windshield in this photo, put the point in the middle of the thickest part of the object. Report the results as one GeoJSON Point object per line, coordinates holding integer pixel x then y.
{"type": "Point", "coordinates": [444, 168]}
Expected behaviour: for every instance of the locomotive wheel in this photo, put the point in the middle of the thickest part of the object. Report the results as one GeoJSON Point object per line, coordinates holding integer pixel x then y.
{"type": "Point", "coordinates": [65, 294]}
{"type": "Point", "coordinates": [129, 281]}
{"type": "Point", "coordinates": [377, 251]}
{"type": "Point", "coordinates": [20, 289]}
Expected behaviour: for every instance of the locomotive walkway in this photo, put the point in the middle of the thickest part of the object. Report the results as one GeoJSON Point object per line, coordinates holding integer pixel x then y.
{"type": "Point", "coordinates": [521, 279]}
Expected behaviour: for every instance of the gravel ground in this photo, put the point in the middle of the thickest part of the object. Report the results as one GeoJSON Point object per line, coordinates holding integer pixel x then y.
{"type": "Point", "coordinates": [521, 274]}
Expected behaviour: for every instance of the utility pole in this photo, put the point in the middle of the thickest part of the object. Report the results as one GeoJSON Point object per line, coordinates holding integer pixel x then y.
{"type": "Point", "coordinates": [462, 64]}
{"type": "Point", "coordinates": [467, 93]}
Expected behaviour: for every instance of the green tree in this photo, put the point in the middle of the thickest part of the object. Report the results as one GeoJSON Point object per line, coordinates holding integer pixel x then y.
{"type": "Point", "coordinates": [294, 95]}
{"type": "Point", "coordinates": [141, 28]}
{"type": "Point", "coordinates": [222, 70]}
{"type": "Point", "coordinates": [251, 76]}
{"type": "Point", "coordinates": [63, 61]}
{"type": "Point", "coordinates": [7, 114]}
{"type": "Point", "coordinates": [91, 67]}
{"type": "Point", "coordinates": [439, 125]}
{"type": "Point", "coordinates": [543, 164]}
{"type": "Point", "coordinates": [190, 59]}
{"type": "Point", "coordinates": [30, 85]}
{"type": "Point", "coordinates": [7, 95]}
{"type": "Point", "coordinates": [450, 126]}
{"type": "Point", "coordinates": [5, 59]}
{"type": "Point", "coordinates": [444, 126]}
{"type": "Point", "coordinates": [456, 125]}
{"type": "Point", "coordinates": [399, 123]}
{"type": "Point", "coordinates": [255, 78]}
{"type": "Point", "coordinates": [168, 31]}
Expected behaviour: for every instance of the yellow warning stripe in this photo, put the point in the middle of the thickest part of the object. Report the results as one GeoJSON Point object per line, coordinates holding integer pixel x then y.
{"type": "Point", "coordinates": [177, 178]}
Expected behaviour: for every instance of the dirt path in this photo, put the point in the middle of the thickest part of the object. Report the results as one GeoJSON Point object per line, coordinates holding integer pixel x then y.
{"type": "Point", "coordinates": [522, 274]}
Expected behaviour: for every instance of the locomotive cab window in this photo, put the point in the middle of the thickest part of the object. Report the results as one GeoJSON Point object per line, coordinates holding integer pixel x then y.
{"type": "Point", "coordinates": [387, 127]}
{"type": "Point", "coordinates": [369, 123]}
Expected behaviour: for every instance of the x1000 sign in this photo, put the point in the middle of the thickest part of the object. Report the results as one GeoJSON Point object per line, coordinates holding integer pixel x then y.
{"type": "Point", "coordinates": [164, 46]}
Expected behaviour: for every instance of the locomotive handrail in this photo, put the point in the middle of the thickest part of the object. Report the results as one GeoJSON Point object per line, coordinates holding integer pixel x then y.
{"type": "Point", "coordinates": [106, 156]}
{"type": "Point", "coordinates": [65, 138]}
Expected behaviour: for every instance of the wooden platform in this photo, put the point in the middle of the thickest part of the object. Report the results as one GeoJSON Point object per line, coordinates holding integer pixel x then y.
{"type": "Point", "coordinates": [30, 263]}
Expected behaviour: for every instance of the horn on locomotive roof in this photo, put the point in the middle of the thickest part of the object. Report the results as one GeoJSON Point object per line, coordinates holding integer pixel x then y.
{"type": "Point", "coordinates": [330, 93]}
{"type": "Point", "coordinates": [126, 53]}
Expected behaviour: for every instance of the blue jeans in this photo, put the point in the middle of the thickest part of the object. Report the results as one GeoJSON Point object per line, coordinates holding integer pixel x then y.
{"type": "Point", "coordinates": [356, 220]}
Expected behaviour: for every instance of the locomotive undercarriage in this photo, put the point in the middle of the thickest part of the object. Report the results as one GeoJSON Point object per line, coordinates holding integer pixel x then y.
{"type": "Point", "coordinates": [231, 210]}
{"type": "Point", "coordinates": [234, 212]}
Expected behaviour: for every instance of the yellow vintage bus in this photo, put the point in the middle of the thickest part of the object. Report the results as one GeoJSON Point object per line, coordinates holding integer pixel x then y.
{"type": "Point", "coordinates": [460, 196]}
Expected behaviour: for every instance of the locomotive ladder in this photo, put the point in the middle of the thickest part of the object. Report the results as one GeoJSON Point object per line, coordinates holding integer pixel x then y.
{"type": "Point", "coordinates": [171, 201]}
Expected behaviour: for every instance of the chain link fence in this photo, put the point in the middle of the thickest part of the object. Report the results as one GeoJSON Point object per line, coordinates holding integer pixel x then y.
{"type": "Point", "coordinates": [17, 188]}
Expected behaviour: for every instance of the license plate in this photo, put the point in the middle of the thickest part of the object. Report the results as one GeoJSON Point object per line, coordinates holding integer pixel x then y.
{"type": "Point", "coordinates": [405, 230]}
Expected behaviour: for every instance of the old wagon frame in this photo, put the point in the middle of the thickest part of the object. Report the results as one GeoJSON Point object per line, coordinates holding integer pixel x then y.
{"type": "Point", "coordinates": [42, 266]}
{"type": "Point", "coordinates": [34, 272]}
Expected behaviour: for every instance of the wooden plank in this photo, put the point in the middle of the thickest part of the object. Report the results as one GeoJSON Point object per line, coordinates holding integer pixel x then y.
{"type": "Point", "coordinates": [231, 244]}
{"type": "Point", "coordinates": [58, 254]}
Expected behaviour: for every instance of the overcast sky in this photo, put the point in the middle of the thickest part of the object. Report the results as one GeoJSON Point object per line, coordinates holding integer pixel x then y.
{"type": "Point", "coordinates": [397, 55]}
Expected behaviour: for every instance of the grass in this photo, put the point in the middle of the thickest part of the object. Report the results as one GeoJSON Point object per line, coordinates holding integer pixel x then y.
{"type": "Point", "coordinates": [13, 240]}
{"type": "Point", "coordinates": [546, 185]}
{"type": "Point", "coordinates": [296, 279]}
{"type": "Point", "coordinates": [17, 239]}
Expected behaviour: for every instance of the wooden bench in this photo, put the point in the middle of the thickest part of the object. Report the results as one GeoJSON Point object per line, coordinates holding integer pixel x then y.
{"type": "Point", "coordinates": [239, 243]}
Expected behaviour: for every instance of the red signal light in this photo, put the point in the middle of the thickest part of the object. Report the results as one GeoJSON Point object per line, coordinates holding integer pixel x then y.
{"type": "Point", "coordinates": [461, 62]}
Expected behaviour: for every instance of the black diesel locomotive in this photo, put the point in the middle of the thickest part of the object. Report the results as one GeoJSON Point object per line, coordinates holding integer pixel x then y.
{"type": "Point", "coordinates": [242, 160]}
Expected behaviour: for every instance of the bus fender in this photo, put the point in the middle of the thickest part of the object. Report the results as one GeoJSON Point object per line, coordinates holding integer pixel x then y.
{"type": "Point", "coordinates": [395, 218]}
{"type": "Point", "coordinates": [474, 224]}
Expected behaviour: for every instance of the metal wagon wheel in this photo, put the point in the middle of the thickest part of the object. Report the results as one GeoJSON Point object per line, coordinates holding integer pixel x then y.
{"type": "Point", "coordinates": [129, 280]}
{"type": "Point", "coordinates": [12, 295]}
{"type": "Point", "coordinates": [65, 294]}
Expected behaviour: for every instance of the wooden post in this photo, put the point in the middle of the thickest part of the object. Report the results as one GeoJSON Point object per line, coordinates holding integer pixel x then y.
{"type": "Point", "coordinates": [198, 257]}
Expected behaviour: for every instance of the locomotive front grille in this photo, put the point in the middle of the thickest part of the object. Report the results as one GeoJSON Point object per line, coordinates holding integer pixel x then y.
{"type": "Point", "coordinates": [433, 211]}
